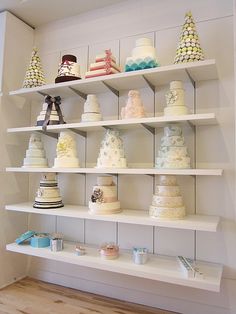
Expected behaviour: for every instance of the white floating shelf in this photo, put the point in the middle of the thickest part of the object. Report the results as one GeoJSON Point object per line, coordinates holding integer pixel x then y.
{"type": "Point", "coordinates": [154, 122]}
{"type": "Point", "coordinates": [196, 71]}
{"type": "Point", "coordinates": [134, 171]}
{"type": "Point", "coordinates": [138, 217]}
{"type": "Point", "coordinates": [161, 268]}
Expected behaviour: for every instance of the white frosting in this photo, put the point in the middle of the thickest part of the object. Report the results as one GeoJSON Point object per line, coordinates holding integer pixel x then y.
{"type": "Point", "coordinates": [144, 48]}
{"type": "Point", "coordinates": [175, 110]}
{"type": "Point", "coordinates": [101, 65]}
{"type": "Point", "coordinates": [100, 72]}
{"type": "Point", "coordinates": [91, 110]}
{"type": "Point", "coordinates": [109, 192]}
{"type": "Point", "coordinates": [35, 154]}
{"type": "Point", "coordinates": [134, 107]}
{"type": "Point", "coordinates": [48, 192]}
{"type": "Point", "coordinates": [91, 117]}
{"type": "Point", "coordinates": [167, 201]}
{"type": "Point", "coordinates": [167, 212]}
{"type": "Point", "coordinates": [167, 180]}
{"type": "Point", "coordinates": [175, 100]}
{"type": "Point", "coordinates": [173, 163]}
{"type": "Point", "coordinates": [66, 151]}
{"type": "Point", "coordinates": [172, 130]}
{"type": "Point", "coordinates": [104, 208]}
{"type": "Point", "coordinates": [170, 152]}
{"type": "Point", "coordinates": [69, 68]}
{"type": "Point", "coordinates": [172, 141]}
{"type": "Point", "coordinates": [162, 190]}
{"type": "Point", "coordinates": [104, 180]}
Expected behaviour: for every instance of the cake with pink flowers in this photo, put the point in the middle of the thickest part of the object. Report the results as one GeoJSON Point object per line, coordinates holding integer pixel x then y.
{"type": "Point", "coordinates": [105, 64]}
{"type": "Point", "coordinates": [134, 107]}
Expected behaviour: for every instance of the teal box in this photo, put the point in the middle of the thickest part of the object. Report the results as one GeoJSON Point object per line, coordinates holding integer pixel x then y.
{"type": "Point", "coordinates": [40, 240]}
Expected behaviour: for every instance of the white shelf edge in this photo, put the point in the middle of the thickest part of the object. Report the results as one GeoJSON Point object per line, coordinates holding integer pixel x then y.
{"type": "Point", "coordinates": [166, 68]}
{"type": "Point", "coordinates": [134, 171]}
{"type": "Point", "coordinates": [161, 268]}
{"type": "Point", "coordinates": [195, 119]}
{"type": "Point", "coordinates": [139, 217]}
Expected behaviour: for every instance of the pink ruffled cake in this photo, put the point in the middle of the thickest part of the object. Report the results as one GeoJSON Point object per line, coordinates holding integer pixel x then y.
{"type": "Point", "coordinates": [104, 64]}
{"type": "Point", "coordinates": [134, 107]}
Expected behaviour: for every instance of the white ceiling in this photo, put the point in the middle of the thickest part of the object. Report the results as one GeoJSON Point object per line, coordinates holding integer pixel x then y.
{"type": "Point", "coordinates": [38, 12]}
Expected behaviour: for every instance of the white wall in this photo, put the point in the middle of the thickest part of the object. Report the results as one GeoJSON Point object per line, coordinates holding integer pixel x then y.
{"type": "Point", "coordinates": [117, 27]}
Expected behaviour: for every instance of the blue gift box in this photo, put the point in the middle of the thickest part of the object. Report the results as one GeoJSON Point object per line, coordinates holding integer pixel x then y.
{"type": "Point", "coordinates": [40, 240]}
{"type": "Point", "coordinates": [25, 236]}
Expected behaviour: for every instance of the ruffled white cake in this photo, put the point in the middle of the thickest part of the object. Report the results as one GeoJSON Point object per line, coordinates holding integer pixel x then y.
{"type": "Point", "coordinates": [112, 153]}
{"type": "Point", "coordinates": [48, 194]}
{"type": "Point", "coordinates": [134, 107]}
{"type": "Point", "coordinates": [104, 197]}
{"type": "Point", "coordinates": [91, 110]}
{"type": "Point", "coordinates": [66, 151]}
{"type": "Point", "coordinates": [175, 100]}
{"type": "Point", "coordinates": [35, 154]}
{"type": "Point", "coordinates": [167, 202]}
{"type": "Point", "coordinates": [143, 56]}
{"type": "Point", "coordinates": [172, 153]}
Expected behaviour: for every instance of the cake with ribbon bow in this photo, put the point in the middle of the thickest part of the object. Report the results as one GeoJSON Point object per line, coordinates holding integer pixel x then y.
{"type": "Point", "coordinates": [175, 100]}
{"type": "Point", "coordinates": [68, 70]}
{"type": "Point", "coordinates": [51, 112]}
{"type": "Point", "coordinates": [143, 56]}
{"type": "Point", "coordinates": [66, 151]}
{"type": "Point", "coordinates": [134, 107]}
{"type": "Point", "coordinates": [104, 198]}
{"type": "Point", "coordinates": [35, 154]}
{"type": "Point", "coordinates": [48, 194]}
{"type": "Point", "coordinates": [104, 64]}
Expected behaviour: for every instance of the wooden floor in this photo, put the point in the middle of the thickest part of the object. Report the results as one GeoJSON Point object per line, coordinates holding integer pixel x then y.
{"type": "Point", "coordinates": [30, 296]}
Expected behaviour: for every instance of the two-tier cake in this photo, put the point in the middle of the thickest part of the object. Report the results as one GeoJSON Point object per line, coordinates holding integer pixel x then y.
{"type": "Point", "coordinates": [48, 194]}
{"type": "Point", "coordinates": [111, 153]}
{"type": "Point", "coordinates": [104, 198]}
{"type": "Point", "coordinates": [35, 154]}
{"type": "Point", "coordinates": [173, 153]}
{"type": "Point", "coordinates": [175, 100]}
{"type": "Point", "coordinates": [66, 151]}
{"type": "Point", "coordinates": [167, 202]}
{"type": "Point", "coordinates": [68, 70]}
{"type": "Point", "coordinates": [143, 56]}
{"type": "Point", "coordinates": [134, 107]}
{"type": "Point", "coordinates": [91, 109]}
{"type": "Point", "coordinates": [105, 64]}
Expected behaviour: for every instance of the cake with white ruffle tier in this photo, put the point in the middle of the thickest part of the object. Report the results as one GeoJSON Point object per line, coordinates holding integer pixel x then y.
{"type": "Point", "coordinates": [167, 202]}
{"type": "Point", "coordinates": [35, 154]}
{"type": "Point", "coordinates": [143, 56]}
{"type": "Point", "coordinates": [104, 198]}
{"type": "Point", "coordinates": [111, 153]}
{"type": "Point", "coordinates": [134, 107]}
{"type": "Point", "coordinates": [48, 194]}
{"type": "Point", "coordinates": [91, 109]}
{"type": "Point", "coordinates": [66, 151]}
{"type": "Point", "coordinates": [173, 153]}
{"type": "Point", "coordinates": [175, 100]}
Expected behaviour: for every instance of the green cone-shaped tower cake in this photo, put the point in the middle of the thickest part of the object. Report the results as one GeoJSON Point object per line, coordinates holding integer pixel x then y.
{"type": "Point", "coordinates": [34, 75]}
{"type": "Point", "coordinates": [189, 48]}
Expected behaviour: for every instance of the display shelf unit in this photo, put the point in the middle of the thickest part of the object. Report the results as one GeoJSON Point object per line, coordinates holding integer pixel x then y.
{"type": "Point", "coordinates": [133, 171]}
{"type": "Point", "coordinates": [153, 122]}
{"type": "Point", "coordinates": [162, 268]}
{"type": "Point", "coordinates": [192, 71]}
{"type": "Point", "coordinates": [139, 217]}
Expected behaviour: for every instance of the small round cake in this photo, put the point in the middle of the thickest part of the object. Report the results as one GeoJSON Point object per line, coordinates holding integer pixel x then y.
{"type": "Point", "coordinates": [109, 251]}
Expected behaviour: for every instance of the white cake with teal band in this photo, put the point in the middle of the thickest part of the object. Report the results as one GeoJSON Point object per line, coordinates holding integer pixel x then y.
{"type": "Point", "coordinates": [143, 56]}
{"type": "Point", "coordinates": [173, 153]}
{"type": "Point", "coordinates": [167, 202]}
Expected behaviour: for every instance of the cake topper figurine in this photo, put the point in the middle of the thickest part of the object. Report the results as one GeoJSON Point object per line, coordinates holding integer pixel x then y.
{"type": "Point", "coordinates": [189, 48]}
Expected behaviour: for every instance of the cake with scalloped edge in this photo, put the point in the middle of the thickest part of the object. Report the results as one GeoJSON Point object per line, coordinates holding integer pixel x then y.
{"type": "Point", "coordinates": [173, 153]}
{"type": "Point", "coordinates": [66, 151]}
{"type": "Point", "coordinates": [48, 194]}
{"type": "Point", "coordinates": [143, 56]}
{"type": "Point", "coordinates": [91, 109]}
{"type": "Point", "coordinates": [175, 100]}
{"type": "Point", "coordinates": [167, 202]}
{"type": "Point", "coordinates": [111, 154]}
{"type": "Point", "coordinates": [104, 198]}
{"type": "Point", "coordinates": [105, 64]}
{"type": "Point", "coordinates": [35, 154]}
{"type": "Point", "coordinates": [134, 107]}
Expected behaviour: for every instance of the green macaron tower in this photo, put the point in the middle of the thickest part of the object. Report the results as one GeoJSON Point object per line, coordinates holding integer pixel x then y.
{"type": "Point", "coordinates": [34, 76]}
{"type": "Point", "coordinates": [189, 49]}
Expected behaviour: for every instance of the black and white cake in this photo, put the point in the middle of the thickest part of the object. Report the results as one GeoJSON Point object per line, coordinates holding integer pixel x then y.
{"type": "Point", "coordinates": [48, 194]}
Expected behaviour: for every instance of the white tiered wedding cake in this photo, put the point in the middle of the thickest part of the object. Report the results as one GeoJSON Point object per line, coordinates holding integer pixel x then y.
{"type": "Point", "coordinates": [134, 107]}
{"type": "Point", "coordinates": [175, 100]}
{"type": "Point", "coordinates": [112, 153]}
{"type": "Point", "coordinates": [35, 154]}
{"type": "Point", "coordinates": [66, 151]}
{"type": "Point", "coordinates": [48, 194]}
{"type": "Point", "coordinates": [167, 202]}
{"type": "Point", "coordinates": [104, 197]}
{"type": "Point", "coordinates": [91, 110]}
{"type": "Point", "coordinates": [173, 153]}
